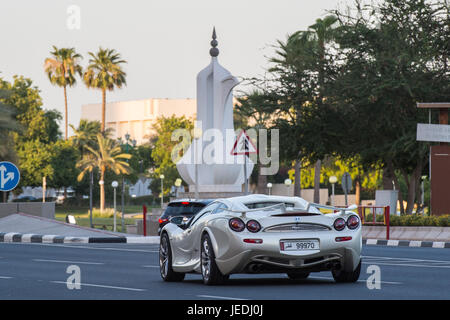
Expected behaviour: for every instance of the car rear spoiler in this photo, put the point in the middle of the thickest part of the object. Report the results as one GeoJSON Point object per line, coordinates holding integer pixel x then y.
{"type": "Point", "coordinates": [321, 206]}
{"type": "Point", "coordinates": [280, 206]}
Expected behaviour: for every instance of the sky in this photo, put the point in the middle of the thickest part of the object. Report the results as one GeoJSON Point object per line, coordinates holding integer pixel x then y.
{"type": "Point", "coordinates": [165, 42]}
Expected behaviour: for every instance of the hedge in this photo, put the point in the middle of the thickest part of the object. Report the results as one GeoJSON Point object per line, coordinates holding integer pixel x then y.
{"type": "Point", "coordinates": [414, 220]}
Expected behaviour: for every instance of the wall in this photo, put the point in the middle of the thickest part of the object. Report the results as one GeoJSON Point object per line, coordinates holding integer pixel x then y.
{"type": "Point", "coordinates": [39, 209]}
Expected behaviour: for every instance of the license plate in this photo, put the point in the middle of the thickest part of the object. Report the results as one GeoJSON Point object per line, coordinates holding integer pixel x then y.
{"type": "Point", "coordinates": [299, 245]}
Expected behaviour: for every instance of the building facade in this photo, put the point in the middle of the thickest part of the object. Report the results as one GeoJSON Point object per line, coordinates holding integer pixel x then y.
{"type": "Point", "coordinates": [138, 116]}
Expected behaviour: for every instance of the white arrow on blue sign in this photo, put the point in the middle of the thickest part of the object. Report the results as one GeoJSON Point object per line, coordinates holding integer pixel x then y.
{"type": "Point", "coordinates": [9, 176]}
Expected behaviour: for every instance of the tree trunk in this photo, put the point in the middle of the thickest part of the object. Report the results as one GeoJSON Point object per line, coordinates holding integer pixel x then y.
{"type": "Point", "coordinates": [400, 195]}
{"type": "Point", "coordinates": [317, 169]}
{"type": "Point", "coordinates": [358, 191]}
{"type": "Point", "coordinates": [297, 177]}
{"type": "Point", "coordinates": [413, 183]}
{"type": "Point", "coordinates": [387, 178]}
{"type": "Point", "coordinates": [262, 182]}
{"type": "Point", "coordinates": [44, 188]}
{"type": "Point", "coordinates": [102, 190]}
{"type": "Point", "coordinates": [66, 113]}
{"type": "Point", "coordinates": [103, 110]}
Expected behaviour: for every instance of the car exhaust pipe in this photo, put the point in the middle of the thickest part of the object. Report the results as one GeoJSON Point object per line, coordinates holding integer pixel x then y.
{"type": "Point", "coordinates": [253, 268]}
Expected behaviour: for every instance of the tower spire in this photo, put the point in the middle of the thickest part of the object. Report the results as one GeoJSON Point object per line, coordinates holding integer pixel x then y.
{"type": "Point", "coordinates": [214, 52]}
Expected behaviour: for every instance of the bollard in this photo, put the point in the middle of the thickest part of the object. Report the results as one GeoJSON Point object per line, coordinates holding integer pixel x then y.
{"type": "Point", "coordinates": [387, 216]}
{"type": "Point", "coordinates": [144, 216]}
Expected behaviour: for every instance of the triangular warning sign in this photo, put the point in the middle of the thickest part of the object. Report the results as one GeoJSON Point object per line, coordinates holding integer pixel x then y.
{"type": "Point", "coordinates": [243, 145]}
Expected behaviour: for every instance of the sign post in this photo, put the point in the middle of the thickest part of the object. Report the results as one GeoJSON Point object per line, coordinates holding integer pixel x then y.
{"type": "Point", "coordinates": [346, 185]}
{"type": "Point", "coordinates": [244, 146]}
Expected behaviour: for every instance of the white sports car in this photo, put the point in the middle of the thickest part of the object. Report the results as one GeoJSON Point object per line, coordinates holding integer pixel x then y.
{"type": "Point", "coordinates": [262, 234]}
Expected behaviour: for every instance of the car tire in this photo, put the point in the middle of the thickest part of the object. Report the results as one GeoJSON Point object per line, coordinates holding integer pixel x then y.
{"type": "Point", "coordinates": [298, 275]}
{"type": "Point", "coordinates": [165, 261]}
{"type": "Point", "coordinates": [210, 272]}
{"type": "Point", "coordinates": [348, 277]}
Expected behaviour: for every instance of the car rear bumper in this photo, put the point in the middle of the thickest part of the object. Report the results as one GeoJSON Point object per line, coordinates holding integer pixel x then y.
{"type": "Point", "coordinates": [268, 256]}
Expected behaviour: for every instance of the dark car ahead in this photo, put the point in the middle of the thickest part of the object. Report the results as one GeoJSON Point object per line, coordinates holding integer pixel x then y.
{"type": "Point", "coordinates": [185, 208]}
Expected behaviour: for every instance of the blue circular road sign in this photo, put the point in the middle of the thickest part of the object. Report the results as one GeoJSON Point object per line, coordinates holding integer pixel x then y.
{"type": "Point", "coordinates": [9, 176]}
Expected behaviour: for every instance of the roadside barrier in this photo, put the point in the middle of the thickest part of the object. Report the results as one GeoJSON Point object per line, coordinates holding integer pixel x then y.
{"type": "Point", "coordinates": [364, 213]}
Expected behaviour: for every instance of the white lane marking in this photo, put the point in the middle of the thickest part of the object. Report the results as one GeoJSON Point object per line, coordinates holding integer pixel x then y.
{"type": "Point", "coordinates": [383, 282]}
{"type": "Point", "coordinates": [101, 286]}
{"type": "Point", "coordinates": [64, 261]}
{"type": "Point", "coordinates": [3, 277]}
{"type": "Point", "coordinates": [219, 297]}
{"type": "Point", "coordinates": [398, 258]}
{"type": "Point", "coordinates": [84, 247]}
{"type": "Point", "coordinates": [150, 266]}
{"type": "Point", "coordinates": [406, 265]}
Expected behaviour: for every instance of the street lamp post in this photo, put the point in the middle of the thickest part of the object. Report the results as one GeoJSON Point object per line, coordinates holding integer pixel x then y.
{"type": "Point", "coordinates": [127, 143]}
{"type": "Point", "coordinates": [269, 186]}
{"type": "Point", "coordinates": [115, 184]}
{"type": "Point", "coordinates": [162, 189]}
{"type": "Point", "coordinates": [332, 180]}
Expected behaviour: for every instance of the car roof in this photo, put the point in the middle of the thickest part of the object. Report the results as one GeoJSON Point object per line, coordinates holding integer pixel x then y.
{"type": "Point", "coordinates": [201, 201]}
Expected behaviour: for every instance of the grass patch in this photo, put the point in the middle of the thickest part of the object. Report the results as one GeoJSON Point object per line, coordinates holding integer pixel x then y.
{"type": "Point", "coordinates": [61, 210]}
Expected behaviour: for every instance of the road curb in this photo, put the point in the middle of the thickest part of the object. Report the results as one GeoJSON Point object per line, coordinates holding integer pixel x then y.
{"type": "Point", "coordinates": [407, 243]}
{"type": "Point", "coordinates": [36, 238]}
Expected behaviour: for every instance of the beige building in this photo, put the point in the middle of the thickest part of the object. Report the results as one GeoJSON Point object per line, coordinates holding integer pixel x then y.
{"type": "Point", "coordinates": [138, 116]}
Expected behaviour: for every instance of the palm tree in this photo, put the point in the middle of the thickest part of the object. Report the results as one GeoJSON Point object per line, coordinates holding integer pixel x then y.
{"type": "Point", "coordinates": [294, 58]}
{"type": "Point", "coordinates": [104, 72]}
{"type": "Point", "coordinates": [107, 156]}
{"type": "Point", "coordinates": [322, 32]}
{"type": "Point", "coordinates": [61, 69]}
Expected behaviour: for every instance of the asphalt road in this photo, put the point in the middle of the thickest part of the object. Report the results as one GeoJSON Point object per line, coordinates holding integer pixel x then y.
{"type": "Point", "coordinates": [126, 271]}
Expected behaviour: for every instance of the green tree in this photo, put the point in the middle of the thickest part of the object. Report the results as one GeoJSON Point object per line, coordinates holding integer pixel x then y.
{"type": "Point", "coordinates": [291, 88]}
{"type": "Point", "coordinates": [61, 69]}
{"type": "Point", "coordinates": [108, 156]}
{"type": "Point", "coordinates": [162, 150]}
{"type": "Point", "coordinates": [38, 130]}
{"type": "Point", "coordinates": [63, 162]}
{"type": "Point", "coordinates": [7, 123]}
{"type": "Point", "coordinates": [322, 32]}
{"type": "Point", "coordinates": [390, 56]}
{"type": "Point", "coordinates": [104, 72]}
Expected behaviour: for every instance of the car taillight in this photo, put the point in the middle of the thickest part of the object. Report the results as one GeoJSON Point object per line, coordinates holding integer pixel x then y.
{"type": "Point", "coordinates": [236, 224]}
{"type": "Point", "coordinates": [253, 226]}
{"type": "Point", "coordinates": [353, 222]}
{"type": "Point", "coordinates": [339, 224]}
{"type": "Point", "coordinates": [162, 220]}
{"type": "Point", "coordinates": [255, 241]}
{"type": "Point", "coordinates": [340, 239]}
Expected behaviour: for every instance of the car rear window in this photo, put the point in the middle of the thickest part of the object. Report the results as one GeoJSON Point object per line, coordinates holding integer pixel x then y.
{"type": "Point", "coordinates": [258, 205]}
{"type": "Point", "coordinates": [183, 208]}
